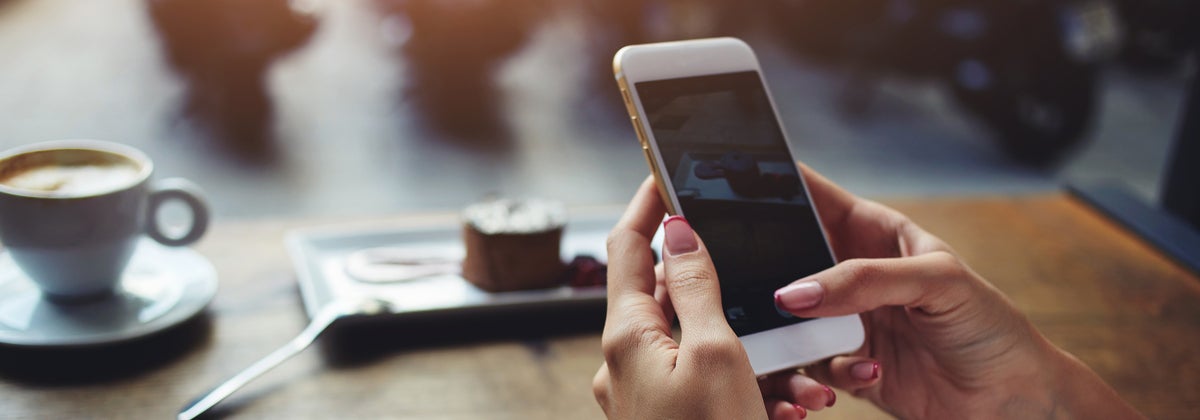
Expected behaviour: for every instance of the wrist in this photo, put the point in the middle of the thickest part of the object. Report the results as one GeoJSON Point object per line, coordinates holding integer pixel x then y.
{"type": "Point", "coordinates": [1053, 384]}
{"type": "Point", "coordinates": [1075, 391]}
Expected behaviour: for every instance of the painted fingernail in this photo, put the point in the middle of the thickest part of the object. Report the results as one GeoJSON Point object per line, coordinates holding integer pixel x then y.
{"type": "Point", "coordinates": [678, 237]}
{"type": "Point", "coordinates": [865, 371]}
{"type": "Point", "coordinates": [800, 410]}
{"type": "Point", "coordinates": [799, 296]}
{"type": "Point", "coordinates": [832, 398]}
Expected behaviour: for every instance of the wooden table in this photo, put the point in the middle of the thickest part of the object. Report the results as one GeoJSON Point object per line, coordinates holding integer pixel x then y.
{"type": "Point", "coordinates": [1094, 289]}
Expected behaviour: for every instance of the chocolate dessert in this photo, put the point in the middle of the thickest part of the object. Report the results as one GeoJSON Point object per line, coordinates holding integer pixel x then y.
{"type": "Point", "coordinates": [513, 244]}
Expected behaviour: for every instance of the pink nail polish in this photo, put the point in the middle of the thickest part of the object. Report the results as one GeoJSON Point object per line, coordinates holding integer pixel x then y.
{"type": "Point", "coordinates": [800, 409]}
{"type": "Point", "coordinates": [832, 397]}
{"type": "Point", "coordinates": [678, 237]}
{"type": "Point", "coordinates": [800, 296]}
{"type": "Point", "coordinates": [865, 371]}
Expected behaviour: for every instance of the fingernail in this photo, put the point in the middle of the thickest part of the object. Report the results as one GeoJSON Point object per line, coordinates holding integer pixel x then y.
{"type": "Point", "coordinates": [832, 397]}
{"type": "Point", "coordinates": [800, 410]}
{"type": "Point", "coordinates": [799, 296]}
{"type": "Point", "coordinates": [865, 371]}
{"type": "Point", "coordinates": [678, 237]}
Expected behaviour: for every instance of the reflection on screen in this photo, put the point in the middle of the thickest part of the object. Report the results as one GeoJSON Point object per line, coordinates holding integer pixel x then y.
{"type": "Point", "coordinates": [739, 189]}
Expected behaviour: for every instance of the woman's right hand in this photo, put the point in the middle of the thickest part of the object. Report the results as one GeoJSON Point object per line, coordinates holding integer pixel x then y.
{"type": "Point", "coordinates": [941, 341]}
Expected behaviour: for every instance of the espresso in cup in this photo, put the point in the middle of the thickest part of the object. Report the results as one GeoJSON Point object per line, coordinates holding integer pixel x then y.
{"type": "Point", "coordinates": [72, 213]}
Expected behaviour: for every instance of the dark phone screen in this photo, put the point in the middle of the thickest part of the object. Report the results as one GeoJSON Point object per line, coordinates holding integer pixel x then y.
{"type": "Point", "coordinates": [739, 189]}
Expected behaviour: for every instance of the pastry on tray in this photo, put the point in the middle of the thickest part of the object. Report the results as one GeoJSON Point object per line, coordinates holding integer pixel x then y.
{"type": "Point", "coordinates": [514, 244]}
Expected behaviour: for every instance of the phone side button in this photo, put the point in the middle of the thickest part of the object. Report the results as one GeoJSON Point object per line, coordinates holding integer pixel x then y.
{"type": "Point", "coordinates": [628, 102]}
{"type": "Point", "coordinates": [637, 126]}
{"type": "Point", "coordinates": [649, 158]}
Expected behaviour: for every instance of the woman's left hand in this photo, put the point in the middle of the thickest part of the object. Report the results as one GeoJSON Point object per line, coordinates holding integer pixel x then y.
{"type": "Point", "coordinates": [705, 373]}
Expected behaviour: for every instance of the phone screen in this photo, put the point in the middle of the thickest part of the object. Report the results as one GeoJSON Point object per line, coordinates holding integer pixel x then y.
{"type": "Point", "coordinates": [739, 188]}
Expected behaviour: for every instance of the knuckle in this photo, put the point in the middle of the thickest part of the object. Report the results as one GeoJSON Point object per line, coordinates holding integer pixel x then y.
{"type": "Point", "coordinates": [623, 238]}
{"type": "Point", "coordinates": [691, 278]}
{"type": "Point", "coordinates": [949, 272]}
{"type": "Point", "coordinates": [616, 341]}
{"type": "Point", "coordinates": [717, 349]}
{"type": "Point", "coordinates": [600, 387]}
{"type": "Point", "coordinates": [953, 272]}
{"type": "Point", "coordinates": [948, 265]}
{"type": "Point", "coordinates": [948, 283]}
{"type": "Point", "coordinates": [612, 348]}
{"type": "Point", "coordinates": [617, 239]}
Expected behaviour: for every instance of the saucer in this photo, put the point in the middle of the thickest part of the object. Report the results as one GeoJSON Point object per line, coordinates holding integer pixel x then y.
{"type": "Point", "coordinates": [160, 288]}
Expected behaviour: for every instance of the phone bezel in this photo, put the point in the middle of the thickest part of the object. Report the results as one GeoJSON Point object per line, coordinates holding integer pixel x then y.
{"type": "Point", "coordinates": [772, 350]}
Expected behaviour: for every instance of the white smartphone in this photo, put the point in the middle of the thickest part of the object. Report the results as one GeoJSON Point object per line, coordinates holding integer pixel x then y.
{"type": "Point", "coordinates": [710, 132]}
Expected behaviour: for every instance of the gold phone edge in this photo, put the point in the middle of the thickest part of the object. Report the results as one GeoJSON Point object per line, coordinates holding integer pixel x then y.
{"type": "Point", "coordinates": [643, 139]}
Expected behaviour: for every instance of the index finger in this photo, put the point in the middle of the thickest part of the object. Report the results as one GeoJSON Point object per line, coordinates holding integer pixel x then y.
{"type": "Point", "coordinates": [832, 202]}
{"type": "Point", "coordinates": [860, 228]}
{"type": "Point", "coordinates": [630, 260]}
{"type": "Point", "coordinates": [634, 316]}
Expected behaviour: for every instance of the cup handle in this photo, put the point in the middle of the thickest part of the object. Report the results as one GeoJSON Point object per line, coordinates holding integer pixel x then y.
{"type": "Point", "coordinates": [187, 192]}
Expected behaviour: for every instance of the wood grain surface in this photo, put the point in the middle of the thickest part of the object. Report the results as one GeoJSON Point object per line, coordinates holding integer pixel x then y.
{"type": "Point", "coordinates": [1123, 308]}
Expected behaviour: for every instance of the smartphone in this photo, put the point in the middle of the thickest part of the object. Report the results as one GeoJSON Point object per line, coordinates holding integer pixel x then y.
{"type": "Point", "coordinates": [710, 132]}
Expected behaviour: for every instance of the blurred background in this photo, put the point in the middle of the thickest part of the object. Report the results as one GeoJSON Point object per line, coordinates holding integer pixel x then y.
{"type": "Point", "coordinates": [344, 108]}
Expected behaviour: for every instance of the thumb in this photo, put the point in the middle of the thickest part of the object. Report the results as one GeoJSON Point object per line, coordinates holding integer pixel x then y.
{"type": "Point", "coordinates": [934, 283]}
{"type": "Point", "coordinates": [691, 279]}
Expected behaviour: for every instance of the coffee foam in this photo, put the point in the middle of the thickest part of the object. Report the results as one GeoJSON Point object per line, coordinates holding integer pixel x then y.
{"type": "Point", "coordinates": [69, 172]}
{"type": "Point", "coordinates": [74, 180]}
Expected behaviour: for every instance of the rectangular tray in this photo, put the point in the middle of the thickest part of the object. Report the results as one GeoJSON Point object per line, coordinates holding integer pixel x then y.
{"type": "Point", "coordinates": [319, 256]}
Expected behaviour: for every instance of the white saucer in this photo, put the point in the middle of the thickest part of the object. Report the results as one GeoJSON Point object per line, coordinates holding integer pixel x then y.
{"type": "Point", "coordinates": [161, 287]}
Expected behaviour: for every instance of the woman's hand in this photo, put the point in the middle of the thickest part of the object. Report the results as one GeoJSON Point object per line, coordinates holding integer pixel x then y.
{"type": "Point", "coordinates": [705, 373]}
{"type": "Point", "coordinates": [941, 341]}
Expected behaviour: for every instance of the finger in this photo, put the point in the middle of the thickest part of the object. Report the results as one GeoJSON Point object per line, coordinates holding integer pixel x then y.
{"type": "Point", "coordinates": [661, 295]}
{"type": "Point", "coordinates": [798, 389]}
{"type": "Point", "coordinates": [634, 320]}
{"type": "Point", "coordinates": [600, 386]}
{"type": "Point", "coordinates": [856, 228]}
{"type": "Point", "coordinates": [851, 373]}
{"type": "Point", "coordinates": [631, 260]}
{"type": "Point", "coordinates": [691, 281]}
{"type": "Point", "coordinates": [783, 410]}
{"type": "Point", "coordinates": [832, 202]}
{"type": "Point", "coordinates": [933, 283]}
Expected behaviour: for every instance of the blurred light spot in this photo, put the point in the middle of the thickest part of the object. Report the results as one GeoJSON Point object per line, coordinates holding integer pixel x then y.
{"type": "Point", "coordinates": [973, 75]}
{"type": "Point", "coordinates": [396, 30]}
{"type": "Point", "coordinates": [1090, 31]}
{"type": "Point", "coordinates": [305, 7]}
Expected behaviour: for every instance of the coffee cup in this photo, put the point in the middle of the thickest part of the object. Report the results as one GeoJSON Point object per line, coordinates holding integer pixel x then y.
{"type": "Point", "coordinates": [72, 213]}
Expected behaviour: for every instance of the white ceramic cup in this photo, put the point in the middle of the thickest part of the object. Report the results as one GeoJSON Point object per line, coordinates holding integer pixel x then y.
{"type": "Point", "coordinates": [75, 246]}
